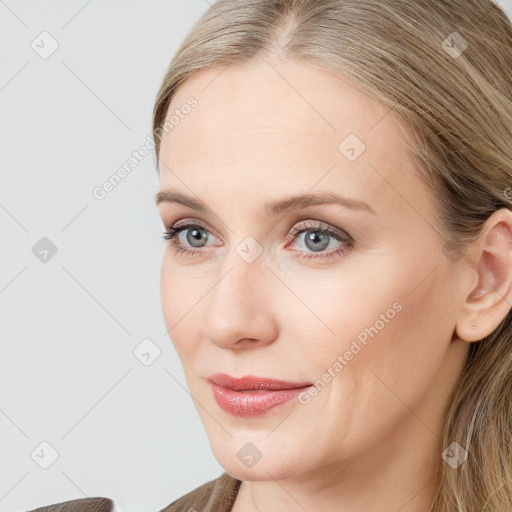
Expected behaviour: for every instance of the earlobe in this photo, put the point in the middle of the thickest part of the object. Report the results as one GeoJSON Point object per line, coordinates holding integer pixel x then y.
{"type": "Point", "coordinates": [489, 302]}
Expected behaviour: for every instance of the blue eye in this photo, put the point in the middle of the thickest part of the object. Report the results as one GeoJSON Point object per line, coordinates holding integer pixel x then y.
{"type": "Point", "coordinates": [196, 235]}
{"type": "Point", "coordinates": [318, 238]}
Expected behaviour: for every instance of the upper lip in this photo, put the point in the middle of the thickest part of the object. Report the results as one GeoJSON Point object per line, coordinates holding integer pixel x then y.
{"type": "Point", "coordinates": [250, 382]}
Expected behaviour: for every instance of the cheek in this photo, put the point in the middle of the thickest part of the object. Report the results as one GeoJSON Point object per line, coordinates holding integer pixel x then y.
{"type": "Point", "coordinates": [346, 308]}
{"type": "Point", "coordinates": [178, 299]}
{"type": "Point", "coordinates": [381, 335]}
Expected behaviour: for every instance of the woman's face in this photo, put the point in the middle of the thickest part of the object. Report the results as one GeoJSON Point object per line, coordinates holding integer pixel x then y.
{"type": "Point", "coordinates": [367, 311]}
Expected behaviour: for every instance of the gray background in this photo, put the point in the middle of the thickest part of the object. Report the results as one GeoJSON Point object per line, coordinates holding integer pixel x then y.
{"type": "Point", "coordinates": [70, 324]}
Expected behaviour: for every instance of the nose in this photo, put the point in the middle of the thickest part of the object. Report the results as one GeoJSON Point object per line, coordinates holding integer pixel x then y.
{"type": "Point", "coordinates": [240, 312]}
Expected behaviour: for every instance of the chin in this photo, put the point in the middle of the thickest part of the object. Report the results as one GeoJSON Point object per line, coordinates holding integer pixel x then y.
{"type": "Point", "coordinates": [258, 473]}
{"type": "Point", "coordinates": [246, 462]}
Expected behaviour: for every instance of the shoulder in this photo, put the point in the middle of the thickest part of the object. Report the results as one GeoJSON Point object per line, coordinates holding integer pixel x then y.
{"type": "Point", "coordinates": [80, 505]}
{"type": "Point", "coordinates": [217, 495]}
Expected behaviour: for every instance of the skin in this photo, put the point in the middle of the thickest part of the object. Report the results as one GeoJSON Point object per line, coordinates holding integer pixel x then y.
{"type": "Point", "coordinates": [371, 439]}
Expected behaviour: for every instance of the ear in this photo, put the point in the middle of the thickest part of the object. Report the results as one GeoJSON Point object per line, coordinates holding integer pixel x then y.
{"type": "Point", "coordinates": [488, 295]}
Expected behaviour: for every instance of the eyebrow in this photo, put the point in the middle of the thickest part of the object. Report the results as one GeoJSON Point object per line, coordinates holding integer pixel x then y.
{"type": "Point", "coordinates": [272, 208]}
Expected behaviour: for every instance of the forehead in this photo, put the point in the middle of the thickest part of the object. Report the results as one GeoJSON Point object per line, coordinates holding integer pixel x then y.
{"type": "Point", "coordinates": [280, 124]}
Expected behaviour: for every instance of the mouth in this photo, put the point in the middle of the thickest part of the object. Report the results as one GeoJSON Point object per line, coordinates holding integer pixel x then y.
{"type": "Point", "coordinates": [252, 383]}
{"type": "Point", "coordinates": [253, 396]}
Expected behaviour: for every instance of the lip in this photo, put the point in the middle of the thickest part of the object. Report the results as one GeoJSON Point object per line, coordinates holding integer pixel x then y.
{"type": "Point", "coordinates": [252, 396]}
{"type": "Point", "coordinates": [250, 382]}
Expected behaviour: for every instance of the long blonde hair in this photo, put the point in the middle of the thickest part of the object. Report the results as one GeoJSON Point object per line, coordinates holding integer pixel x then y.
{"type": "Point", "coordinates": [445, 66]}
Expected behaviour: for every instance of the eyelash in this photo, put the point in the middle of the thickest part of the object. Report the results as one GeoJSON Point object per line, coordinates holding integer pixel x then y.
{"type": "Point", "coordinates": [171, 234]}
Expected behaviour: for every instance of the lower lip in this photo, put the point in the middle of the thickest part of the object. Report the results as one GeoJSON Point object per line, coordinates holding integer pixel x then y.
{"type": "Point", "coordinates": [252, 403]}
